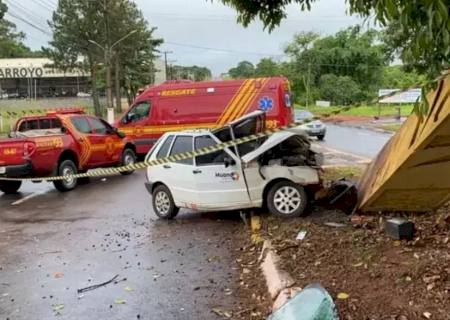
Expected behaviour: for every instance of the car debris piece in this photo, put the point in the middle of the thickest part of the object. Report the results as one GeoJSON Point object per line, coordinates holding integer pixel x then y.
{"type": "Point", "coordinates": [96, 286]}
{"type": "Point", "coordinates": [301, 235]}
{"type": "Point", "coordinates": [341, 194]}
{"type": "Point", "coordinates": [312, 303]}
{"type": "Point", "coordinates": [412, 171]}
{"type": "Point", "coordinates": [399, 228]}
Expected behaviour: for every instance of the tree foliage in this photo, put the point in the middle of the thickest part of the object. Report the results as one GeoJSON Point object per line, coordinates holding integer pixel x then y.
{"type": "Point", "coordinates": [419, 30]}
{"type": "Point", "coordinates": [194, 73]}
{"type": "Point", "coordinates": [244, 69]}
{"type": "Point", "coordinates": [78, 24]}
{"type": "Point", "coordinates": [11, 45]}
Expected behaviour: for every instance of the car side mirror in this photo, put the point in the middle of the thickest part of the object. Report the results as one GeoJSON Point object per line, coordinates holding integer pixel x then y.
{"type": "Point", "coordinates": [119, 133]}
{"type": "Point", "coordinates": [64, 130]}
{"type": "Point", "coordinates": [229, 162]}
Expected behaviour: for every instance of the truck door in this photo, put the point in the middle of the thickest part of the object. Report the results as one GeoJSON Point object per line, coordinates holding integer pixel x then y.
{"type": "Point", "coordinates": [135, 125]}
{"type": "Point", "coordinates": [105, 144]}
{"type": "Point", "coordinates": [219, 186]}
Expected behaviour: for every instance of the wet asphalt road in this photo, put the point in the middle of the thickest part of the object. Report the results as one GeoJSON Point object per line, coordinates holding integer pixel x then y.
{"type": "Point", "coordinates": [53, 244]}
{"type": "Point", "coordinates": [360, 142]}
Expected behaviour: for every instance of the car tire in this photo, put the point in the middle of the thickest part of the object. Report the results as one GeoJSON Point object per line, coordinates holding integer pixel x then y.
{"type": "Point", "coordinates": [66, 167]}
{"type": "Point", "coordinates": [287, 199]}
{"type": "Point", "coordinates": [163, 203]}
{"type": "Point", "coordinates": [128, 157]}
{"type": "Point", "coordinates": [321, 137]}
{"type": "Point", "coordinates": [10, 187]}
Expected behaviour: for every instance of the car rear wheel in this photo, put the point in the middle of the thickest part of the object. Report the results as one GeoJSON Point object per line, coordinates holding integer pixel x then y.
{"type": "Point", "coordinates": [128, 157]}
{"type": "Point", "coordinates": [65, 168]}
{"type": "Point", "coordinates": [10, 187]}
{"type": "Point", "coordinates": [163, 203]}
{"type": "Point", "coordinates": [287, 199]}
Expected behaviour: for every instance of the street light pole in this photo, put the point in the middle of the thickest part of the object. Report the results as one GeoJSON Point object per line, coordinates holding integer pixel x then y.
{"type": "Point", "coordinates": [107, 57]}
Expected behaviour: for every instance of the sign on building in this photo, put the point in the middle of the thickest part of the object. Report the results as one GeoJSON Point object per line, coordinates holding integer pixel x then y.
{"type": "Point", "coordinates": [409, 96]}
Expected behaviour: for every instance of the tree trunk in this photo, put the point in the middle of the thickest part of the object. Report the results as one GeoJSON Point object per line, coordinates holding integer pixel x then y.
{"type": "Point", "coordinates": [117, 83]}
{"type": "Point", "coordinates": [95, 99]}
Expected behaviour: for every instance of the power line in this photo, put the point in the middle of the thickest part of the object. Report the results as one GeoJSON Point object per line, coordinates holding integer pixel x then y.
{"type": "Point", "coordinates": [29, 23]}
{"type": "Point", "coordinates": [44, 5]}
{"type": "Point", "coordinates": [222, 50]}
{"type": "Point", "coordinates": [28, 16]}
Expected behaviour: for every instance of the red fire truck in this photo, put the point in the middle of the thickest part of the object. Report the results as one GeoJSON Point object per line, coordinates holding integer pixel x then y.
{"type": "Point", "coordinates": [180, 105]}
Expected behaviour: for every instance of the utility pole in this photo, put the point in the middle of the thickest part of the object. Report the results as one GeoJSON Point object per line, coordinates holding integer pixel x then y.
{"type": "Point", "coordinates": [171, 69]}
{"type": "Point", "coordinates": [165, 63]}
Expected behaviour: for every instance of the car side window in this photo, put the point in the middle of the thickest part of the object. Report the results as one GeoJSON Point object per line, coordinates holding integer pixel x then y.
{"type": "Point", "coordinates": [138, 112]}
{"type": "Point", "coordinates": [182, 144]}
{"type": "Point", "coordinates": [215, 158]}
{"type": "Point", "coordinates": [162, 153]}
{"type": "Point", "coordinates": [81, 124]}
{"type": "Point", "coordinates": [98, 127]}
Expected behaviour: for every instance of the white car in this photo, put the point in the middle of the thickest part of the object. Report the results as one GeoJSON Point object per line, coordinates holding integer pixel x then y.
{"type": "Point", "coordinates": [315, 128]}
{"type": "Point", "coordinates": [277, 172]}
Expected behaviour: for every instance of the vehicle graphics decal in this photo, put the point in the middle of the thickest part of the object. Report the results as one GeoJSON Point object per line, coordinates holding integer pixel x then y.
{"type": "Point", "coordinates": [49, 143]}
{"type": "Point", "coordinates": [265, 104]}
{"type": "Point", "coordinates": [233, 175]}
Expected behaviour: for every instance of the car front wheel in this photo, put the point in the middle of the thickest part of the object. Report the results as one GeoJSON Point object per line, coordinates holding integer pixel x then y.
{"type": "Point", "coordinates": [163, 203]}
{"type": "Point", "coordinates": [10, 187]}
{"type": "Point", "coordinates": [321, 137]}
{"type": "Point", "coordinates": [286, 199]}
{"type": "Point", "coordinates": [128, 158]}
{"type": "Point", "coordinates": [66, 168]}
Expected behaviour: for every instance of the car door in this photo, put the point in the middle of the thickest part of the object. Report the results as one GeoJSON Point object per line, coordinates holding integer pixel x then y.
{"type": "Point", "coordinates": [179, 176]}
{"type": "Point", "coordinates": [106, 144]}
{"type": "Point", "coordinates": [218, 186]}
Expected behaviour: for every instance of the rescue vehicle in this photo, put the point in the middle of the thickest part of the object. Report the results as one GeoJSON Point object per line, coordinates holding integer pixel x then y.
{"type": "Point", "coordinates": [182, 105]}
{"type": "Point", "coordinates": [61, 143]}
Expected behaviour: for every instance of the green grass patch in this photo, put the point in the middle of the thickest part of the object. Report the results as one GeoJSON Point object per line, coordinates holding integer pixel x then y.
{"type": "Point", "coordinates": [366, 111]}
{"type": "Point", "coordinates": [390, 127]}
{"type": "Point", "coordinates": [349, 172]}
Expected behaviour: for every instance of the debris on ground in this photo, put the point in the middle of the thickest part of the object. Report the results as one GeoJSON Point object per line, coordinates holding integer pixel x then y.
{"type": "Point", "coordinates": [312, 303]}
{"type": "Point", "coordinates": [301, 235]}
{"type": "Point", "coordinates": [96, 286]}
{"type": "Point", "coordinates": [399, 229]}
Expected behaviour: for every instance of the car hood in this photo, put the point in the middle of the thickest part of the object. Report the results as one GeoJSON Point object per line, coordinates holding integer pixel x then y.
{"type": "Point", "coordinates": [271, 142]}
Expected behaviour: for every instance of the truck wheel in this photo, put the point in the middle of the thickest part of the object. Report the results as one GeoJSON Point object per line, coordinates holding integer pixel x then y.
{"type": "Point", "coordinates": [286, 199]}
{"type": "Point", "coordinates": [10, 187]}
{"type": "Point", "coordinates": [67, 167]}
{"type": "Point", "coordinates": [321, 137]}
{"type": "Point", "coordinates": [128, 157]}
{"type": "Point", "coordinates": [163, 203]}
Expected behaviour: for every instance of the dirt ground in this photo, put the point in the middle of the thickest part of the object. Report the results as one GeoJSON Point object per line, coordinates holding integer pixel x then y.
{"type": "Point", "coordinates": [383, 278]}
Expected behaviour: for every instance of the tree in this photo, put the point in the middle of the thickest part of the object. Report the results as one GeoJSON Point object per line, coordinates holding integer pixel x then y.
{"type": "Point", "coordinates": [396, 77]}
{"type": "Point", "coordinates": [93, 34]}
{"type": "Point", "coordinates": [194, 73]}
{"type": "Point", "coordinates": [349, 53]}
{"type": "Point", "coordinates": [420, 29]}
{"type": "Point", "coordinates": [244, 69]}
{"type": "Point", "coordinates": [11, 45]}
{"type": "Point", "coordinates": [340, 90]}
{"type": "Point", "coordinates": [266, 67]}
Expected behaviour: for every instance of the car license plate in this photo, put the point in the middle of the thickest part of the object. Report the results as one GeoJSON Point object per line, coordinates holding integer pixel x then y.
{"type": "Point", "coordinates": [2, 170]}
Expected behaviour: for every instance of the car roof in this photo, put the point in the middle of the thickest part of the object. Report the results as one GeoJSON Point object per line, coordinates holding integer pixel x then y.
{"type": "Point", "coordinates": [194, 133]}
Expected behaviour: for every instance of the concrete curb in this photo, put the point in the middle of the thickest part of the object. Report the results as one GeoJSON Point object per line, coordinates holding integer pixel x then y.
{"type": "Point", "coordinates": [280, 284]}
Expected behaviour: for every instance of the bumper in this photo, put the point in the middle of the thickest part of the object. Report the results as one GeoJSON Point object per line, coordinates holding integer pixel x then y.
{"type": "Point", "coordinates": [314, 133]}
{"type": "Point", "coordinates": [16, 171]}
{"type": "Point", "coordinates": [149, 187]}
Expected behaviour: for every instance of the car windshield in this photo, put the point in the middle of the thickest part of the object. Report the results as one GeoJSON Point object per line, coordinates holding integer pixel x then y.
{"type": "Point", "coordinates": [303, 115]}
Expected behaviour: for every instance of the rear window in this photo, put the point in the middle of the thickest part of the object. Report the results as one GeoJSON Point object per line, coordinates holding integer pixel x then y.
{"type": "Point", "coordinates": [34, 124]}
{"type": "Point", "coordinates": [182, 144]}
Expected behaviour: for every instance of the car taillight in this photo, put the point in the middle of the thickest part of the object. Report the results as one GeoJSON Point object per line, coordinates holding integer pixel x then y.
{"type": "Point", "coordinates": [28, 149]}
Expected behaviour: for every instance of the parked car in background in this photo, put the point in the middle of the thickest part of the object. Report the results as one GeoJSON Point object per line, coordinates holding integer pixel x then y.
{"type": "Point", "coordinates": [315, 128]}
{"type": "Point", "coordinates": [279, 172]}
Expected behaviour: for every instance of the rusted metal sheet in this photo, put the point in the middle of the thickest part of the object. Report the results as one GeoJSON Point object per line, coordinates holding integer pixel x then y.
{"type": "Point", "coordinates": [412, 171]}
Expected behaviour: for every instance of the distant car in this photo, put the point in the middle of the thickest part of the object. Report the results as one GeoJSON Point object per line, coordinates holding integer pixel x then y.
{"type": "Point", "coordinates": [278, 172]}
{"type": "Point", "coordinates": [315, 128]}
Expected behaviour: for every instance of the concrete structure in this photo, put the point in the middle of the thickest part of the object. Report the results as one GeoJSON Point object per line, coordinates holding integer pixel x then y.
{"type": "Point", "coordinates": [36, 78]}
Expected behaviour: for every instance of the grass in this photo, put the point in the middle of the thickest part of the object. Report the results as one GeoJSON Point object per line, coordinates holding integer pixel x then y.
{"type": "Point", "coordinates": [364, 111]}
{"type": "Point", "coordinates": [350, 172]}
{"type": "Point", "coordinates": [390, 127]}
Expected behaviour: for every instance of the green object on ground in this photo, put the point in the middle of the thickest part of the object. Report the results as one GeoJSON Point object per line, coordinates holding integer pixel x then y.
{"type": "Point", "coordinates": [312, 303]}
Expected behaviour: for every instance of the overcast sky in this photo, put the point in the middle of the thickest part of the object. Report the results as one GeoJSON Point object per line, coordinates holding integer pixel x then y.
{"type": "Point", "coordinates": [202, 32]}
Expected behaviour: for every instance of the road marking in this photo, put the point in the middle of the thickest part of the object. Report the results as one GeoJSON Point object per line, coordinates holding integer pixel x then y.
{"type": "Point", "coordinates": [28, 197]}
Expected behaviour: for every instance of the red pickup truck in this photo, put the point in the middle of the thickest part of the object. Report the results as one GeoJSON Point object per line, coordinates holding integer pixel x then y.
{"type": "Point", "coordinates": [61, 143]}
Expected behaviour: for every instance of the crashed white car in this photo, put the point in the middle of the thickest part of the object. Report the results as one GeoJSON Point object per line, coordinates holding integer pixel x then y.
{"type": "Point", "coordinates": [277, 172]}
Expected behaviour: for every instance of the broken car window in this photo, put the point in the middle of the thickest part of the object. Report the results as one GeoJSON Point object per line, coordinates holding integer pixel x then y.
{"type": "Point", "coordinates": [214, 158]}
